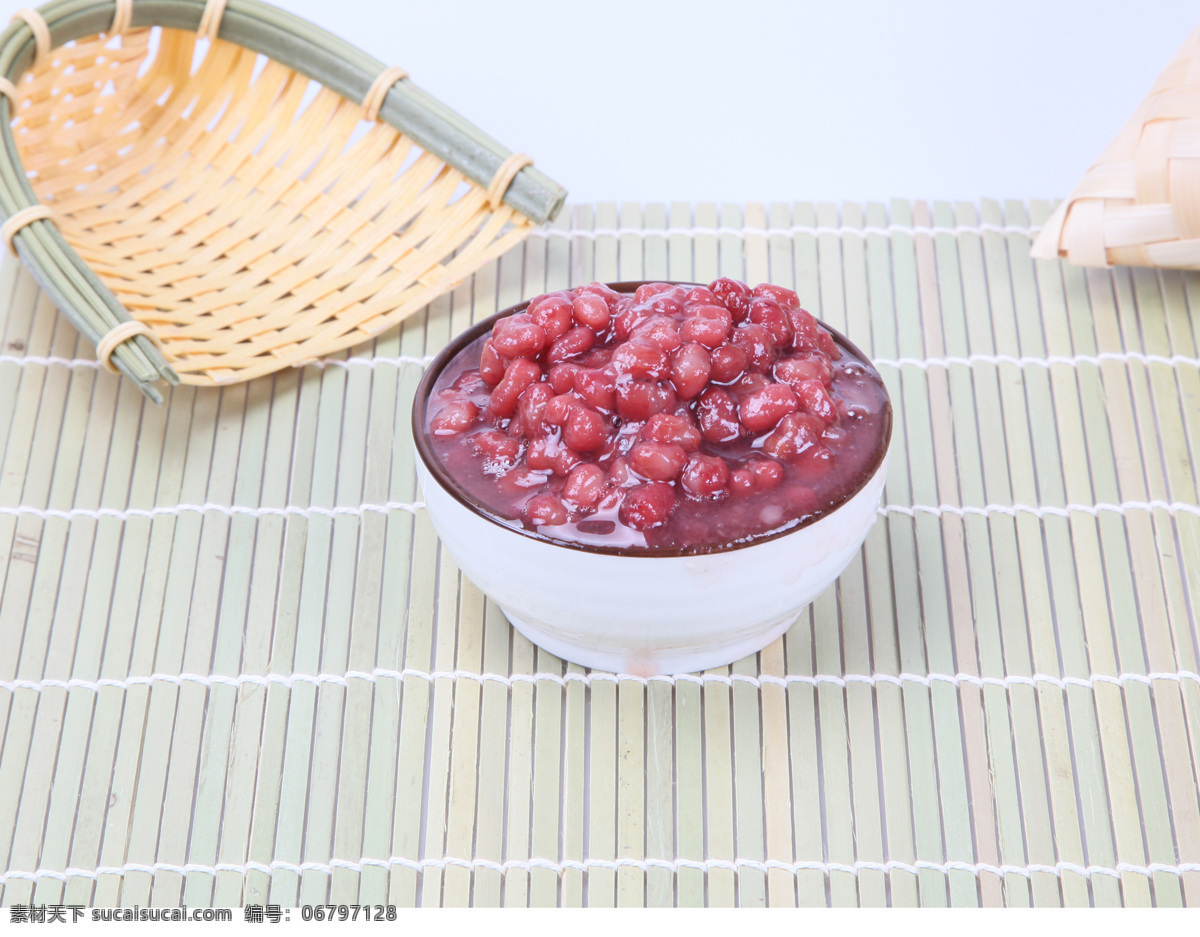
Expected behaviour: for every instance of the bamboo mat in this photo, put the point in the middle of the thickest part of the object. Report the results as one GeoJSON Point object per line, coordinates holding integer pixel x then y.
{"type": "Point", "coordinates": [235, 666]}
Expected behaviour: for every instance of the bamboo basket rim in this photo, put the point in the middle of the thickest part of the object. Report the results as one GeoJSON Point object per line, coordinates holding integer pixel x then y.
{"type": "Point", "coordinates": [387, 94]}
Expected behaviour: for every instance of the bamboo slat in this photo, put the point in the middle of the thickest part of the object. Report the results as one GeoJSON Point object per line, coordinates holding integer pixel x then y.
{"type": "Point", "coordinates": [1051, 644]}
{"type": "Point", "coordinates": [853, 593]}
{"type": "Point", "coordinates": [881, 597]}
{"type": "Point", "coordinates": [966, 718]}
{"type": "Point", "coordinates": [1027, 629]}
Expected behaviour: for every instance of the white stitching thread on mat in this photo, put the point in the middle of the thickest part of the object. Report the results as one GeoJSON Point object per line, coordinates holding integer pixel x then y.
{"type": "Point", "coordinates": [586, 865]}
{"type": "Point", "coordinates": [1043, 510]}
{"type": "Point", "coordinates": [1070, 360]}
{"type": "Point", "coordinates": [923, 363]}
{"type": "Point", "coordinates": [380, 673]}
{"type": "Point", "coordinates": [1010, 510]}
{"type": "Point", "coordinates": [347, 363]}
{"type": "Point", "coordinates": [592, 233]}
{"type": "Point", "coordinates": [228, 510]}
{"type": "Point", "coordinates": [399, 361]}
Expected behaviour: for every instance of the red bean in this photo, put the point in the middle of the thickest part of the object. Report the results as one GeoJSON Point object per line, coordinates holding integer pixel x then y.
{"type": "Point", "coordinates": [511, 426]}
{"type": "Point", "coordinates": [495, 446]}
{"type": "Point", "coordinates": [559, 408]}
{"type": "Point", "coordinates": [585, 430]}
{"type": "Point", "coordinates": [531, 409]}
{"type": "Point", "coordinates": [574, 343]}
{"type": "Point", "coordinates": [640, 360]}
{"type": "Point", "coordinates": [640, 400]}
{"type": "Point", "coordinates": [806, 332]}
{"type": "Point", "coordinates": [700, 295]}
{"type": "Point", "coordinates": [734, 294]}
{"type": "Point", "coordinates": [540, 454]}
{"type": "Point", "coordinates": [518, 337]}
{"type": "Point", "coordinates": [565, 460]}
{"type": "Point", "coordinates": [828, 345]}
{"type": "Point", "coordinates": [597, 388]}
{"type": "Point", "coordinates": [669, 428]}
{"type": "Point", "coordinates": [553, 315]}
{"type": "Point", "coordinates": [561, 377]}
{"type": "Point", "coordinates": [767, 313]}
{"type": "Point", "coordinates": [708, 332]}
{"type": "Point", "coordinates": [627, 318]}
{"type": "Point", "coordinates": [690, 369]}
{"type": "Point", "coordinates": [647, 290]}
{"type": "Point", "coordinates": [717, 415]}
{"type": "Point", "coordinates": [822, 361]}
{"type": "Point", "coordinates": [762, 410]}
{"type": "Point", "coordinates": [592, 310]}
{"type": "Point", "coordinates": [728, 363]}
{"type": "Point", "coordinates": [520, 482]}
{"type": "Point", "coordinates": [469, 382]}
{"type": "Point", "coordinates": [813, 464]}
{"type": "Point", "coordinates": [815, 400]}
{"type": "Point", "coordinates": [619, 474]}
{"type": "Point", "coordinates": [520, 374]}
{"type": "Point", "coordinates": [596, 358]}
{"type": "Point", "coordinates": [532, 306]}
{"type": "Point", "coordinates": [545, 510]}
{"type": "Point", "coordinates": [711, 311]}
{"type": "Point", "coordinates": [665, 305]}
{"type": "Point", "coordinates": [658, 331]}
{"type": "Point", "coordinates": [795, 433]}
{"type": "Point", "coordinates": [660, 462]}
{"type": "Point", "coordinates": [781, 294]}
{"type": "Point", "coordinates": [758, 345]}
{"type": "Point", "coordinates": [491, 368]}
{"type": "Point", "coordinates": [602, 290]}
{"type": "Point", "coordinates": [535, 302]}
{"type": "Point", "coordinates": [767, 473]}
{"type": "Point", "coordinates": [647, 506]}
{"type": "Point", "coordinates": [455, 417]}
{"type": "Point", "coordinates": [748, 384]}
{"type": "Point", "coordinates": [704, 476]}
{"type": "Point", "coordinates": [585, 486]}
{"type": "Point", "coordinates": [609, 448]}
{"type": "Point", "coordinates": [741, 482]}
{"type": "Point", "coordinates": [795, 371]}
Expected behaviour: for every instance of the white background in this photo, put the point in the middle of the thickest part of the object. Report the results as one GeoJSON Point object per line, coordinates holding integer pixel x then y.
{"type": "Point", "coordinates": [647, 100]}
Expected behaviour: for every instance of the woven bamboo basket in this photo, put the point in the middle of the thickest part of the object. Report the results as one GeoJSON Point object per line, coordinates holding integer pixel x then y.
{"type": "Point", "coordinates": [237, 191]}
{"type": "Point", "coordinates": [1140, 203]}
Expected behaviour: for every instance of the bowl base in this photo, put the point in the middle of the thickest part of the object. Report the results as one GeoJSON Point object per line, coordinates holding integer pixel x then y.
{"type": "Point", "coordinates": [651, 662]}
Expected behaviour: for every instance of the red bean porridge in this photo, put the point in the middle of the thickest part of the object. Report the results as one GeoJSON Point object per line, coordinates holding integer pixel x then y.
{"type": "Point", "coordinates": [676, 417]}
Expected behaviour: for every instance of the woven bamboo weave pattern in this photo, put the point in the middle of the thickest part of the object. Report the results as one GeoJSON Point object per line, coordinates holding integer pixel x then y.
{"type": "Point", "coordinates": [1140, 203]}
{"type": "Point", "coordinates": [237, 667]}
{"type": "Point", "coordinates": [249, 223]}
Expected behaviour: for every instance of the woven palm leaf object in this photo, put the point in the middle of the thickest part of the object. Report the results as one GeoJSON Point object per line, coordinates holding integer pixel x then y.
{"type": "Point", "coordinates": [1140, 203]}
{"type": "Point", "coordinates": [237, 191]}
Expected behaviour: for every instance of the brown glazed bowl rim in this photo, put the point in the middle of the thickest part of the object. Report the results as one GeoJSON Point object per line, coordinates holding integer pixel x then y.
{"type": "Point", "coordinates": [435, 468]}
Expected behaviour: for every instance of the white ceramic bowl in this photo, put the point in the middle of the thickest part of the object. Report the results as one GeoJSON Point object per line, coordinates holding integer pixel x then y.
{"type": "Point", "coordinates": [638, 614]}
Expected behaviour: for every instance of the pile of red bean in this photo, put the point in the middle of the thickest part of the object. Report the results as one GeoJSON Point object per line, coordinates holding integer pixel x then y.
{"type": "Point", "coordinates": [672, 416]}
